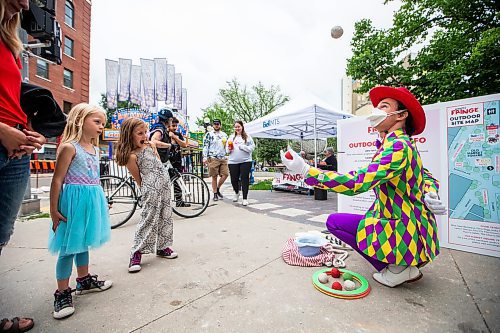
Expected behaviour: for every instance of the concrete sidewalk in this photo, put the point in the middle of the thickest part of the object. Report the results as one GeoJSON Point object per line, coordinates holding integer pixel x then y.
{"type": "Point", "coordinates": [230, 277]}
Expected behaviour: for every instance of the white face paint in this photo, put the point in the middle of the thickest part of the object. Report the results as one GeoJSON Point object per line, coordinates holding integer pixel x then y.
{"type": "Point", "coordinates": [378, 116]}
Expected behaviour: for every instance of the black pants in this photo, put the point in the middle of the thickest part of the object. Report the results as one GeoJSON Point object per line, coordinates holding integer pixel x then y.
{"type": "Point", "coordinates": [240, 171]}
{"type": "Point", "coordinates": [177, 187]}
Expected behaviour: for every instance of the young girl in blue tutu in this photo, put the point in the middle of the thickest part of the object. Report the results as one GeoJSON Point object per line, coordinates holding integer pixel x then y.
{"type": "Point", "coordinates": [78, 206]}
{"type": "Point", "coordinates": [155, 230]}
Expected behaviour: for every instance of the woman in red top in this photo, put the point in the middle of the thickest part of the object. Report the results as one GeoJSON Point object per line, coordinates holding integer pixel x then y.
{"type": "Point", "coordinates": [17, 142]}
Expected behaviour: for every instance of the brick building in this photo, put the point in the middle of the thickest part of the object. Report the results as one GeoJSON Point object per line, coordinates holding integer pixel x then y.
{"type": "Point", "coordinates": [69, 82]}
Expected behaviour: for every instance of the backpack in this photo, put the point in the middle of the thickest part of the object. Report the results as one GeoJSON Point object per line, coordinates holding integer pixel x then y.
{"type": "Point", "coordinates": [163, 152]}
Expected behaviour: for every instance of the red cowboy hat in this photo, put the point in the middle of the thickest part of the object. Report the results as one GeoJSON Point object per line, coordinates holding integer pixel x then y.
{"type": "Point", "coordinates": [405, 97]}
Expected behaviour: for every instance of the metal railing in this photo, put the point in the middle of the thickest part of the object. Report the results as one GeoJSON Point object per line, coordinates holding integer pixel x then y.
{"type": "Point", "coordinates": [192, 161]}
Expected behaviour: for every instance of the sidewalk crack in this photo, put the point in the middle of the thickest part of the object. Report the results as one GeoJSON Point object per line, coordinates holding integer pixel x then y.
{"type": "Point", "coordinates": [16, 267]}
{"type": "Point", "coordinates": [470, 292]}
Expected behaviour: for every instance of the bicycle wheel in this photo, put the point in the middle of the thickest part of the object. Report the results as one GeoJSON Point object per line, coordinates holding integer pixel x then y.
{"type": "Point", "coordinates": [121, 197]}
{"type": "Point", "coordinates": [190, 195]}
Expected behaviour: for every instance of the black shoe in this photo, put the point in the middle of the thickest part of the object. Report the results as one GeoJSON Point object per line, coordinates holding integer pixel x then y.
{"type": "Point", "coordinates": [90, 283]}
{"type": "Point", "coordinates": [63, 304]}
{"type": "Point", "coordinates": [216, 197]}
{"type": "Point", "coordinates": [219, 194]}
{"type": "Point", "coordinates": [182, 204]}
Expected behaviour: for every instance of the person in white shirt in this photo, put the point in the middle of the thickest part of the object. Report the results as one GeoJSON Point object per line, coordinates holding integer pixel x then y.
{"type": "Point", "coordinates": [240, 146]}
{"type": "Point", "coordinates": [214, 155]}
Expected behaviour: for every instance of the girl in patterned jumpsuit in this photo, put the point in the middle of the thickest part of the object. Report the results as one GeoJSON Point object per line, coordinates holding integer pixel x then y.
{"type": "Point", "coordinates": [155, 230]}
{"type": "Point", "coordinates": [398, 234]}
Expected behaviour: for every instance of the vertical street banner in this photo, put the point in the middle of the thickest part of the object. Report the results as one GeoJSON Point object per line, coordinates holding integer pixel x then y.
{"type": "Point", "coordinates": [161, 78]}
{"type": "Point", "coordinates": [112, 83]}
{"type": "Point", "coordinates": [184, 102]}
{"type": "Point", "coordinates": [148, 82]}
{"type": "Point", "coordinates": [170, 84]}
{"type": "Point", "coordinates": [135, 85]}
{"type": "Point", "coordinates": [461, 148]}
{"type": "Point", "coordinates": [124, 81]}
{"type": "Point", "coordinates": [178, 91]}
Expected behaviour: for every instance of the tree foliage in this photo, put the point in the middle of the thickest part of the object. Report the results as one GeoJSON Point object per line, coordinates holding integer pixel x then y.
{"type": "Point", "coordinates": [457, 44]}
{"type": "Point", "coordinates": [249, 104]}
{"type": "Point", "coordinates": [215, 111]}
{"type": "Point", "coordinates": [268, 150]}
{"type": "Point", "coordinates": [237, 102]}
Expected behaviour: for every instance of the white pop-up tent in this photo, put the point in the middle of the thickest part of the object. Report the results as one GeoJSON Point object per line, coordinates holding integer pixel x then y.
{"type": "Point", "coordinates": [298, 121]}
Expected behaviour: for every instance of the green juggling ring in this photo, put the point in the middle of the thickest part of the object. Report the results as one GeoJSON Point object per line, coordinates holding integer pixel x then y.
{"type": "Point", "coordinates": [362, 291]}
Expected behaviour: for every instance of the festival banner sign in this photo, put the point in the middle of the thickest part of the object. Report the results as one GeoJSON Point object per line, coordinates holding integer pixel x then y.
{"type": "Point", "coordinates": [135, 85]}
{"type": "Point", "coordinates": [184, 101]}
{"type": "Point", "coordinates": [161, 78]}
{"type": "Point", "coordinates": [112, 83]}
{"type": "Point", "coordinates": [122, 114]}
{"type": "Point", "coordinates": [178, 91]}
{"type": "Point", "coordinates": [124, 81]}
{"type": "Point", "coordinates": [170, 84]}
{"type": "Point", "coordinates": [148, 81]}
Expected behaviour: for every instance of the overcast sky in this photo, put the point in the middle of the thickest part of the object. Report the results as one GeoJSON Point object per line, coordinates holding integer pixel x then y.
{"type": "Point", "coordinates": [280, 42]}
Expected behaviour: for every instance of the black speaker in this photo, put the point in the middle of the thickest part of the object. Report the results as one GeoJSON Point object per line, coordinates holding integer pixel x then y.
{"type": "Point", "coordinates": [38, 23]}
{"type": "Point", "coordinates": [53, 52]}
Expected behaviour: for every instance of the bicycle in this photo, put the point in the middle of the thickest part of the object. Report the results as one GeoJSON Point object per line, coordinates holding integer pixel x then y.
{"type": "Point", "coordinates": [123, 195]}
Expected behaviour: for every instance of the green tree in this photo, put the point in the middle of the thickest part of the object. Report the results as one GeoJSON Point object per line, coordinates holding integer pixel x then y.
{"type": "Point", "coordinates": [249, 104]}
{"type": "Point", "coordinates": [457, 44]}
{"type": "Point", "coordinates": [215, 111]}
{"type": "Point", "coordinates": [121, 105]}
{"type": "Point", "coordinates": [332, 142]}
{"type": "Point", "coordinates": [268, 150]}
{"type": "Point", "coordinates": [237, 102]}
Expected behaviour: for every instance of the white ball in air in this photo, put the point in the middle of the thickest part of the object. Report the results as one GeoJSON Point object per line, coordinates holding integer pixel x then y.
{"type": "Point", "coordinates": [337, 31]}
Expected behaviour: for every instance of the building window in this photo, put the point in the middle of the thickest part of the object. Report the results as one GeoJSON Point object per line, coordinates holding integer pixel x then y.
{"type": "Point", "coordinates": [67, 107]}
{"type": "Point", "coordinates": [69, 12]}
{"type": "Point", "coordinates": [68, 78]}
{"type": "Point", "coordinates": [42, 68]}
{"type": "Point", "coordinates": [68, 46]}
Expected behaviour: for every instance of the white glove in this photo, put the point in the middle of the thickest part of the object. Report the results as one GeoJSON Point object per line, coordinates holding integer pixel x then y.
{"type": "Point", "coordinates": [296, 164]}
{"type": "Point", "coordinates": [435, 205]}
{"type": "Point", "coordinates": [244, 148]}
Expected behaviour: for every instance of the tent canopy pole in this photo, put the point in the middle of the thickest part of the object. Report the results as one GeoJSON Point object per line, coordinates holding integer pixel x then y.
{"type": "Point", "coordinates": [315, 140]}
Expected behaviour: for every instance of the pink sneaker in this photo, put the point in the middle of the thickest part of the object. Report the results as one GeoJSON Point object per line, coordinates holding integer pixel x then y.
{"type": "Point", "coordinates": [135, 262]}
{"type": "Point", "coordinates": [166, 253]}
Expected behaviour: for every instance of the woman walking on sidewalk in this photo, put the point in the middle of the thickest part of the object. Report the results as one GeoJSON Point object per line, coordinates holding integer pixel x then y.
{"type": "Point", "coordinates": [398, 234]}
{"type": "Point", "coordinates": [78, 207]}
{"type": "Point", "coordinates": [240, 147]}
{"type": "Point", "coordinates": [156, 227]}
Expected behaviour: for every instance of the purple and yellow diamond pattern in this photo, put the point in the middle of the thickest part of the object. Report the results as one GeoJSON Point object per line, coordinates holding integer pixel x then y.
{"type": "Point", "coordinates": [398, 228]}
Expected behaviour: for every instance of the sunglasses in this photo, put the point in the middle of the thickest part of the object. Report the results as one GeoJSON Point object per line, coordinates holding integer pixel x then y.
{"type": "Point", "coordinates": [216, 124]}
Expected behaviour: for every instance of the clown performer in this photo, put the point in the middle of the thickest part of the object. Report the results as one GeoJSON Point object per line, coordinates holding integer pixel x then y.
{"type": "Point", "coordinates": [398, 234]}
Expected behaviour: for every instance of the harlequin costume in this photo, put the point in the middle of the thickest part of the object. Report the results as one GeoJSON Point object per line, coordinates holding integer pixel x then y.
{"type": "Point", "coordinates": [398, 229]}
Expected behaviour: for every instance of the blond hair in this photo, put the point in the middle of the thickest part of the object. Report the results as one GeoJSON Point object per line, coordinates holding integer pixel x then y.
{"type": "Point", "coordinates": [76, 118]}
{"type": "Point", "coordinates": [9, 29]}
{"type": "Point", "coordinates": [125, 144]}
